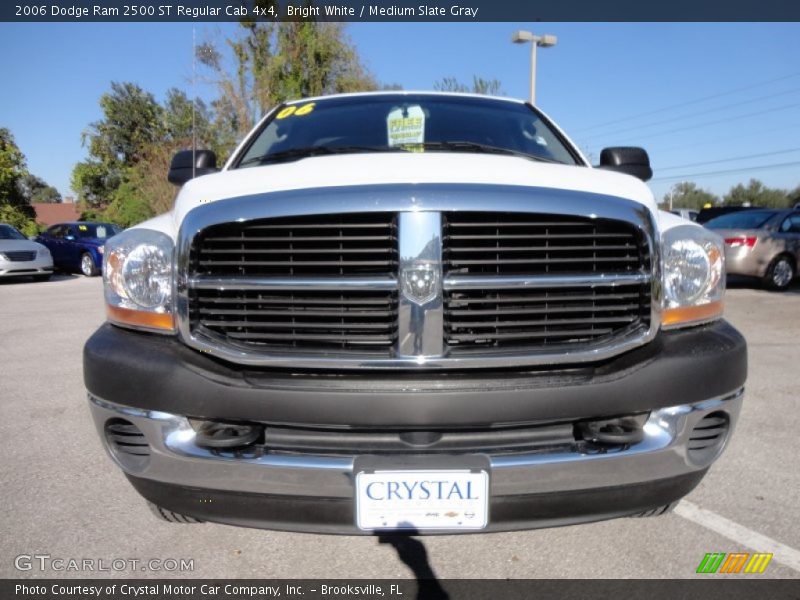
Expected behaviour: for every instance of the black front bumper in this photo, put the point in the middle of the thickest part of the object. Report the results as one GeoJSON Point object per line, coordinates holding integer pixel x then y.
{"type": "Point", "coordinates": [155, 383]}
{"type": "Point", "coordinates": [155, 372]}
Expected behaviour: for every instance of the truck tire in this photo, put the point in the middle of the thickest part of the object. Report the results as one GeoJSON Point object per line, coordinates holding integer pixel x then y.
{"type": "Point", "coordinates": [780, 273]}
{"type": "Point", "coordinates": [657, 512]}
{"type": "Point", "coordinates": [172, 517]}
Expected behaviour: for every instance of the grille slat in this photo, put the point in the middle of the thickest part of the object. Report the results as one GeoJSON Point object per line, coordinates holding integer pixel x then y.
{"type": "Point", "coordinates": [297, 313]}
{"type": "Point", "coordinates": [313, 238]}
{"type": "Point", "coordinates": [541, 310]}
{"type": "Point", "coordinates": [494, 246]}
{"type": "Point", "coordinates": [543, 261]}
{"type": "Point", "coordinates": [315, 337]}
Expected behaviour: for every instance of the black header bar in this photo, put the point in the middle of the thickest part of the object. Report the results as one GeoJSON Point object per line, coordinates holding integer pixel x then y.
{"type": "Point", "coordinates": [398, 10]}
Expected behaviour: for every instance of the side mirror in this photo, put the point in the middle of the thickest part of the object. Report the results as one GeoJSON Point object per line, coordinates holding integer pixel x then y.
{"type": "Point", "coordinates": [627, 159]}
{"type": "Point", "coordinates": [187, 164]}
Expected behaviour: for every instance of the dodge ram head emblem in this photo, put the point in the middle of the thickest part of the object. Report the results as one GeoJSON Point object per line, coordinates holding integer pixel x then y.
{"type": "Point", "coordinates": [420, 283]}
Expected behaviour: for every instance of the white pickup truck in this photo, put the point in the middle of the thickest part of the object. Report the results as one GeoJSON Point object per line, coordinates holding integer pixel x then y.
{"type": "Point", "coordinates": [419, 312]}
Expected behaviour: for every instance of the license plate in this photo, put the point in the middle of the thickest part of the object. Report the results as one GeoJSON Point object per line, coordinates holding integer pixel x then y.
{"type": "Point", "coordinates": [422, 499]}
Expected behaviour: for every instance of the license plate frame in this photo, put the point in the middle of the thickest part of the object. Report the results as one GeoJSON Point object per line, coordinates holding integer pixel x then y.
{"type": "Point", "coordinates": [453, 512]}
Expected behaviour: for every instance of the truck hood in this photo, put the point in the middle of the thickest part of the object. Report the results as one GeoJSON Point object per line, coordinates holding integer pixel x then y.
{"type": "Point", "coordinates": [405, 168]}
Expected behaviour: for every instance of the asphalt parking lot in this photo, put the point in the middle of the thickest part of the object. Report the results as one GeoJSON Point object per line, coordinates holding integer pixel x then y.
{"type": "Point", "coordinates": [62, 496]}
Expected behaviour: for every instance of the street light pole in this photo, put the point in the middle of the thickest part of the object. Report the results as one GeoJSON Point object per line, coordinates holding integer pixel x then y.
{"type": "Point", "coordinates": [545, 41]}
{"type": "Point", "coordinates": [534, 45]}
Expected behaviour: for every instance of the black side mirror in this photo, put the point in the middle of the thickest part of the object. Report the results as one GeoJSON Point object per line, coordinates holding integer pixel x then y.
{"type": "Point", "coordinates": [627, 159]}
{"type": "Point", "coordinates": [187, 164]}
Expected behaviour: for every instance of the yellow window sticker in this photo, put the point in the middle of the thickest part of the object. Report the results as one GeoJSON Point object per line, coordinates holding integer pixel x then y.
{"type": "Point", "coordinates": [297, 111]}
{"type": "Point", "coordinates": [83, 227]}
{"type": "Point", "coordinates": [406, 126]}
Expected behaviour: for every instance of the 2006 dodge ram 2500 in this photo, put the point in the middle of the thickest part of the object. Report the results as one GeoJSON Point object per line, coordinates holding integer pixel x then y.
{"type": "Point", "coordinates": [413, 311]}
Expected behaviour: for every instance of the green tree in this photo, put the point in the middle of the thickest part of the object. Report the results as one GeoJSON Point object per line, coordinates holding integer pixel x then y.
{"type": "Point", "coordinates": [12, 170]}
{"type": "Point", "coordinates": [687, 195]}
{"type": "Point", "coordinates": [274, 62]}
{"type": "Point", "coordinates": [756, 193]}
{"type": "Point", "coordinates": [130, 149]}
{"type": "Point", "coordinates": [794, 196]}
{"type": "Point", "coordinates": [18, 217]}
{"type": "Point", "coordinates": [129, 205]}
{"type": "Point", "coordinates": [491, 87]}
{"type": "Point", "coordinates": [14, 206]}
{"type": "Point", "coordinates": [34, 189]}
{"type": "Point", "coordinates": [132, 122]}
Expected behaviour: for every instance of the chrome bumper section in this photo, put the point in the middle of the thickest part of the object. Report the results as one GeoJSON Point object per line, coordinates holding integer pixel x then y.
{"type": "Point", "coordinates": [176, 459]}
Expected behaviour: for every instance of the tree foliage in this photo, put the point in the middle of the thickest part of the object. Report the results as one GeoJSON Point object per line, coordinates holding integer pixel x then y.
{"type": "Point", "coordinates": [270, 63]}
{"type": "Point", "coordinates": [687, 195]}
{"type": "Point", "coordinates": [12, 170]}
{"type": "Point", "coordinates": [18, 188]}
{"type": "Point", "coordinates": [35, 190]}
{"type": "Point", "coordinates": [130, 149]}
{"type": "Point", "coordinates": [491, 87]}
{"type": "Point", "coordinates": [755, 193]}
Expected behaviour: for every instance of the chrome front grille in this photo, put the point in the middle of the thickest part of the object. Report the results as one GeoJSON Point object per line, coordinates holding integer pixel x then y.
{"type": "Point", "coordinates": [418, 277]}
{"type": "Point", "coordinates": [504, 247]}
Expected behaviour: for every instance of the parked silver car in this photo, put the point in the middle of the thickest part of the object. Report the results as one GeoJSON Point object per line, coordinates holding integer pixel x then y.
{"type": "Point", "coordinates": [763, 243]}
{"type": "Point", "coordinates": [20, 257]}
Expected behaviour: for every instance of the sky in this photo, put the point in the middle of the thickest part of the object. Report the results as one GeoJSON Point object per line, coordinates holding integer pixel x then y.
{"type": "Point", "coordinates": [694, 95]}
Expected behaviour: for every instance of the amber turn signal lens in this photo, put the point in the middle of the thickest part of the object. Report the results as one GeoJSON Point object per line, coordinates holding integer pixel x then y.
{"type": "Point", "coordinates": [137, 318]}
{"type": "Point", "coordinates": [691, 314]}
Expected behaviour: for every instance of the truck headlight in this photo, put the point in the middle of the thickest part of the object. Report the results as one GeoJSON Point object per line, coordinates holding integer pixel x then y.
{"type": "Point", "coordinates": [137, 276]}
{"type": "Point", "coordinates": [694, 276]}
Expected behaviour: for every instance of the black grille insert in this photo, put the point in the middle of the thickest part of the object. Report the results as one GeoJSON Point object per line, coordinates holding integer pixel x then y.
{"type": "Point", "coordinates": [20, 255]}
{"type": "Point", "coordinates": [308, 246]}
{"type": "Point", "coordinates": [527, 244]}
{"type": "Point", "coordinates": [507, 245]}
{"type": "Point", "coordinates": [299, 320]}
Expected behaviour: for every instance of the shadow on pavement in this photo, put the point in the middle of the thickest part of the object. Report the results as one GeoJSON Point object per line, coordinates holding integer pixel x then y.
{"type": "Point", "coordinates": [414, 554]}
{"type": "Point", "coordinates": [28, 280]}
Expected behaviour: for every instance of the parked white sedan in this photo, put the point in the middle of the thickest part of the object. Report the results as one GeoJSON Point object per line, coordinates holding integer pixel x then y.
{"type": "Point", "coordinates": [20, 257]}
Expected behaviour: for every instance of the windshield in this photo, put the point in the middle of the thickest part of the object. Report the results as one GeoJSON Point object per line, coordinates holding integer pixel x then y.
{"type": "Point", "coordinates": [100, 231]}
{"type": "Point", "coordinates": [746, 219]}
{"type": "Point", "coordinates": [405, 122]}
{"type": "Point", "coordinates": [9, 233]}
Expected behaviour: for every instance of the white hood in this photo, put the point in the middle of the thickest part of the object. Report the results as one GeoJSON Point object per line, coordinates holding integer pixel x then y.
{"type": "Point", "coordinates": [403, 168]}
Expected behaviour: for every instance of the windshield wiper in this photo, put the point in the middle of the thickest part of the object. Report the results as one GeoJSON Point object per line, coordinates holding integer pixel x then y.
{"type": "Point", "coordinates": [466, 146]}
{"type": "Point", "coordinates": [297, 153]}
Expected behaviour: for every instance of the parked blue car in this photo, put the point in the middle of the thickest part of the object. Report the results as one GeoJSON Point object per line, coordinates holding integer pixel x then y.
{"type": "Point", "coordinates": [78, 246]}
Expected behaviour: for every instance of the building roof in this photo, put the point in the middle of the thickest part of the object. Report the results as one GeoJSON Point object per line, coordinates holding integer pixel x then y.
{"type": "Point", "coordinates": [51, 213]}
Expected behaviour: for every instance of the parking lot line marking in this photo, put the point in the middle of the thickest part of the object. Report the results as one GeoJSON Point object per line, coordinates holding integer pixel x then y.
{"type": "Point", "coordinates": [740, 534]}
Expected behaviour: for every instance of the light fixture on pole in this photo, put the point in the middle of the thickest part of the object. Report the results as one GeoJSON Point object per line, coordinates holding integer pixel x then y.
{"type": "Point", "coordinates": [545, 41]}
